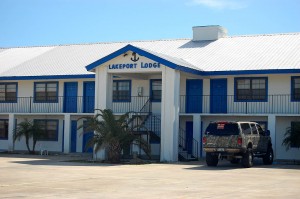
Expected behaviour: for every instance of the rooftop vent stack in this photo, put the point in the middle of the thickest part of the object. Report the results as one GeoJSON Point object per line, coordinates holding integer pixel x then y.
{"type": "Point", "coordinates": [208, 33]}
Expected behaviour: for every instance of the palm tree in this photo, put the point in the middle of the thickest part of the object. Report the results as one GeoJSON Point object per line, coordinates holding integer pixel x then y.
{"type": "Point", "coordinates": [28, 129]}
{"type": "Point", "coordinates": [292, 136]}
{"type": "Point", "coordinates": [113, 134]}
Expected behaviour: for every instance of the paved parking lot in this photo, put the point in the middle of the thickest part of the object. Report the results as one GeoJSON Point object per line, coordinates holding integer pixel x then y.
{"type": "Point", "coordinates": [24, 176]}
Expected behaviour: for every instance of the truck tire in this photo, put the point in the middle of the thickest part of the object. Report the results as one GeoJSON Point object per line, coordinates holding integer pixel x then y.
{"type": "Point", "coordinates": [211, 160]}
{"type": "Point", "coordinates": [268, 158]}
{"type": "Point", "coordinates": [247, 160]}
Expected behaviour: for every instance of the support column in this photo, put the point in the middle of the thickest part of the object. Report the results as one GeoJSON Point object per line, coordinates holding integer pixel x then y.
{"type": "Point", "coordinates": [67, 133]}
{"type": "Point", "coordinates": [103, 92]}
{"type": "Point", "coordinates": [272, 128]}
{"type": "Point", "coordinates": [103, 99]}
{"type": "Point", "coordinates": [11, 127]}
{"type": "Point", "coordinates": [197, 132]}
{"type": "Point", "coordinates": [170, 115]}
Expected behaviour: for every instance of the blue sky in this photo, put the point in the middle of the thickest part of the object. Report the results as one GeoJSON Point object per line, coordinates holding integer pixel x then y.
{"type": "Point", "coordinates": [52, 22]}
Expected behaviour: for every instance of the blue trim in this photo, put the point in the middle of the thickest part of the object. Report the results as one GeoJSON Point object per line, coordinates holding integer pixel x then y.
{"type": "Point", "coordinates": [251, 72]}
{"type": "Point", "coordinates": [49, 120]}
{"type": "Point", "coordinates": [7, 83]}
{"type": "Point", "coordinates": [251, 78]}
{"type": "Point", "coordinates": [293, 88]}
{"type": "Point", "coordinates": [129, 91]}
{"type": "Point", "coordinates": [150, 94]}
{"type": "Point", "coordinates": [142, 53]}
{"type": "Point", "coordinates": [5, 138]}
{"type": "Point", "coordinates": [44, 101]}
{"type": "Point", "coordinates": [47, 77]}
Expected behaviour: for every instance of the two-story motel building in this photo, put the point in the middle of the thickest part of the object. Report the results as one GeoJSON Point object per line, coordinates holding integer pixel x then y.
{"type": "Point", "coordinates": [177, 85]}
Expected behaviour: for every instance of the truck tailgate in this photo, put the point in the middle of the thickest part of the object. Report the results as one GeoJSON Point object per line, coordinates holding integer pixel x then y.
{"type": "Point", "coordinates": [222, 141]}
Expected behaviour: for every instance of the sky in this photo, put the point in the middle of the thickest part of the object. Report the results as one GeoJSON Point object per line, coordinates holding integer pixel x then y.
{"type": "Point", "coordinates": [54, 22]}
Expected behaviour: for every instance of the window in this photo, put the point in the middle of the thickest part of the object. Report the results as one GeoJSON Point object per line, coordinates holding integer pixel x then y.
{"type": "Point", "coordinates": [260, 130]}
{"type": "Point", "coordinates": [251, 89]}
{"type": "Point", "coordinates": [50, 128]}
{"type": "Point", "coordinates": [295, 89]}
{"type": "Point", "coordinates": [46, 92]}
{"type": "Point", "coordinates": [3, 129]}
{"type": "Point", "coordinates": [295, 128]}
{"type": "Point", "coordinates": [254, 129]}
{"type": "Point", "coordinates": [121, 90]}
{"type": "Point", "coordinates": [8, 92]}
{"type": "Point", "coordinates": [155, 92]}
{"type": "Point", "coordinates": [246, 128]}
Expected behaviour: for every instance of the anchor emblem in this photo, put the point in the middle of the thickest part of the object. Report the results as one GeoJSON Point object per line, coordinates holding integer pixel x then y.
{"type": "Point", "coordinates": [134, 58]}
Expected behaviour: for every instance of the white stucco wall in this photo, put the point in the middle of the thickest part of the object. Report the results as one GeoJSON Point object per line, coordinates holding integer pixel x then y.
{"type": "Point", "coordinates": [282, 123]}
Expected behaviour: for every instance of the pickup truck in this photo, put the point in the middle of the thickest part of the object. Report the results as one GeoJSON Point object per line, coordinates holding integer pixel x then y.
{"type": "Point", "coordinates": [237, 142]}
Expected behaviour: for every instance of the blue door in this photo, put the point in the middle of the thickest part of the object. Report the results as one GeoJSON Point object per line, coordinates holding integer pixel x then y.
{"type": "Point", "coordinates": [88, 97]}
{"type": "Point", "coordinates": [86, 138]}
{"type": "Point", "coordinates": [194, 95]}
{"type": "Point", "coordinates": [70, 97]}
{"type": "Point", "coordinates": [218, 95]}
{"type": "Point", "coordinates": [73, 135]}
{"type": "Point", "coordinates": [189, 136]}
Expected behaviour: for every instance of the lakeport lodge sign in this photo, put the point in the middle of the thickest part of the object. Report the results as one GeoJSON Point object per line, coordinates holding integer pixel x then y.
{"type": "Point", "coordinates": [134, 64]}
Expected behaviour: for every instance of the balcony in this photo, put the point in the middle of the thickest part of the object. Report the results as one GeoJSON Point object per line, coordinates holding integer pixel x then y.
{"type": "Point", "coordinates": [77, 104]}
{"type": "Point", "coordinates": [275, 104]}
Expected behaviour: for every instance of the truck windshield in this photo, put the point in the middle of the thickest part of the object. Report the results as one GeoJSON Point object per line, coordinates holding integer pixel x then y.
{"type": "Point", "coordinates": [222, 129]}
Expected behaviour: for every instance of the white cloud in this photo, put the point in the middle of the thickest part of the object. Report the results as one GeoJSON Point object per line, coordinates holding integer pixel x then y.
{"type": "Point", "coordinates": [222, 4]}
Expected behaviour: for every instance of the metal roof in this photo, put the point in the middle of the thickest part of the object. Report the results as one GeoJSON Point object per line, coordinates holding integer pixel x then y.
{"type": "Point", "coordinates": [238, 53]}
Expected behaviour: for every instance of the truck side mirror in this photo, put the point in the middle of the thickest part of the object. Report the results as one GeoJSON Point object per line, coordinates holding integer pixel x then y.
{"type": "Point", "coordinates": [267, 133]}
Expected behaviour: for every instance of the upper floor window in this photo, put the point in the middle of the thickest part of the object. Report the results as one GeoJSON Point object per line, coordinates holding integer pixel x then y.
{"type": "Point", "coordinates": [46, 91]}
{"type": "Point", "coordinates": [50, 128]}
{"type": "Point", "coordinates": [121, 90]}
{"type": "Point", "coordinates": [3, 129]}
{"type": "Point", "coordinates": [155, 92]}
{"type": "Point", "coordinates": [251, 89]}
{"type": "Point", "coordinates": [295, 88]}
{"type": "Point", "coordinates": [8, 92]}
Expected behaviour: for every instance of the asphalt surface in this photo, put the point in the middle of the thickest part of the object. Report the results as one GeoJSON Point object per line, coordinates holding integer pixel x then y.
{"type": "Point", "coordinates": [25, 176]}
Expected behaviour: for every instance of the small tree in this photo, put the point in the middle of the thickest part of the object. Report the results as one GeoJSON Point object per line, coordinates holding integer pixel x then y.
{"type": "Point", "coordinates": [292, 136]}
{"type": "Point", "coordinates": [113, 134]}
{"type": "Point", "coordinates": [28, 129]}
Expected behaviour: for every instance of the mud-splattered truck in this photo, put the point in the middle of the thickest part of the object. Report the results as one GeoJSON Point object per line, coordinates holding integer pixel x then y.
{"type": "Point", "coordinates": [237, 142]}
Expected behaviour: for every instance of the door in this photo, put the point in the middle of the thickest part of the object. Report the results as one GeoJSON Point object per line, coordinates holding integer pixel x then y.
{"type": "Point", "coordinates": [73, 136]}
{"type": "Point", "coordinates": [87, 136]}
{"type": "Point", "coordinates": [218, 95]}
{"type": "Point", "coordinates": [70, 97]}
{"type": "Point", "coordinates": [189, 136]}
{"type": "Point", "coordinates": [194, 95]}
{"type": "Point", "coordinates": [88, 97]}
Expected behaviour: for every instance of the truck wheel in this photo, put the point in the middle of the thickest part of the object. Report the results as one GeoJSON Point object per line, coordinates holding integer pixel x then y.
{"type": "Point", "coordinates": [211, 160]}
{"type": "Point", "coordinates": [247, 160]}
{"type": "Point", "coordinates": [268, 158]}
{"type": "Point", "coordinates": [235, 161]}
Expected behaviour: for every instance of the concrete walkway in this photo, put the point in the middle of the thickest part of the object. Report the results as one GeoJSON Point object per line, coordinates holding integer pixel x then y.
{"type": "Point", "coordinates": [24, 176]}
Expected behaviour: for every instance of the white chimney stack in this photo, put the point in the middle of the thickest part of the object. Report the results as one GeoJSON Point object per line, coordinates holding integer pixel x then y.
{"type": "Point", "coordinates": [208, 33]}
